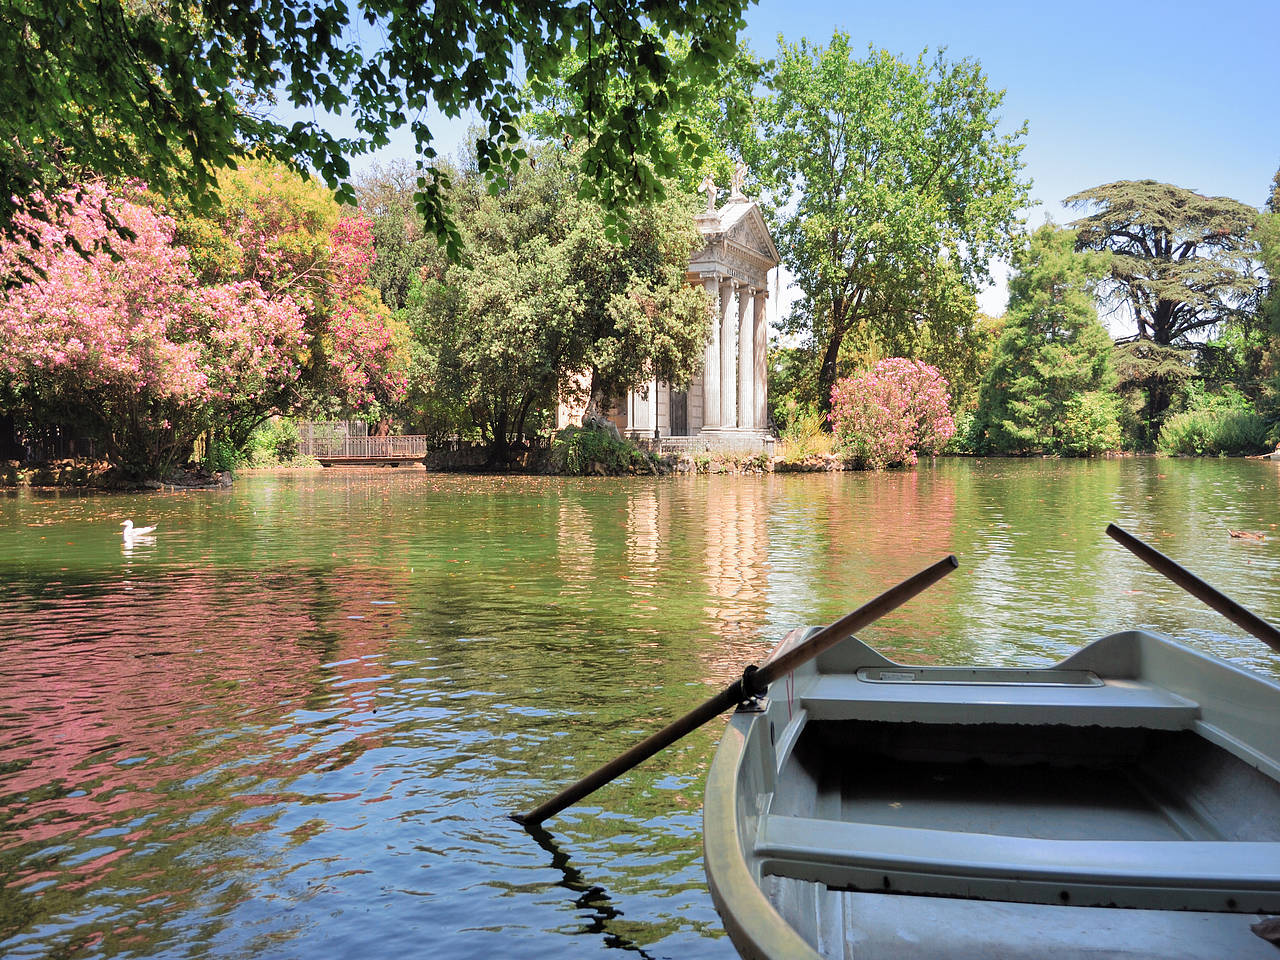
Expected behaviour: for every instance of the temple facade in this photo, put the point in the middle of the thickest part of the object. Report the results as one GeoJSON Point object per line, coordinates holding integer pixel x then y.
{"type": "Point", "coordinates": [726, 404]}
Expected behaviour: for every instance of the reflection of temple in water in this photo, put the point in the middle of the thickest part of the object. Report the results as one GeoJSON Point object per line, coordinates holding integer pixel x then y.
{"type": "Point", "coordinates": [737, 556]}
{"type": "Point", "coordinates": [575, 546]}
{"type": "Point", "coordinates": [735, 563]}
{"type": "Point", "coordinates": [699, 573]}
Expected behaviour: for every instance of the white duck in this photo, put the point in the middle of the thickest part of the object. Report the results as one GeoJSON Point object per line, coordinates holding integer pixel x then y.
{"type": "Point", "coordinates": [131, 532]}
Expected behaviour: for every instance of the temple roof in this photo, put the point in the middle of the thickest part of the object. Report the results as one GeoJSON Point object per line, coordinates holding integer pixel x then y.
{"type": "Point", "coordinates": [738, 243]}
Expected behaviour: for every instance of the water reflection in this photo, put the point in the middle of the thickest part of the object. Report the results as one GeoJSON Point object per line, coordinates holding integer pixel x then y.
{"type": "Point", "coordinates": [736, 565]}
{"type": "Point", "coordinates": [596, 906]}
{"type": "Point", "coordinates": [301, 716]}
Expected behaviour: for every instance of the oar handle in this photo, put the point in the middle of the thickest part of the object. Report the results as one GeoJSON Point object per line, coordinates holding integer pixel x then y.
{"type": "Point", "coordinates": [739, 690]}
{"type": "Point", "coordinates": [1243, 618]}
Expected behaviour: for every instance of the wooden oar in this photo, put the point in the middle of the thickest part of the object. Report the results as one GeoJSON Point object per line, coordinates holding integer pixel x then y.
{"type": "Point", "coordinates": [753, 681]}
{"type": "Point", "coordinates": [1243, 618]}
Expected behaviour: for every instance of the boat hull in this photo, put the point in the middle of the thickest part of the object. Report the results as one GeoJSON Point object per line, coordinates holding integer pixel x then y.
{"type": "Point", "coordinates": [1124, 803]}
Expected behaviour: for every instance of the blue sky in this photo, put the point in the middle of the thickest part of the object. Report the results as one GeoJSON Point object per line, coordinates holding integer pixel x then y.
{"type": "Point", "coordinates": [1183, 93]}
{"type": "Point", "coordinates": [1124, 90]}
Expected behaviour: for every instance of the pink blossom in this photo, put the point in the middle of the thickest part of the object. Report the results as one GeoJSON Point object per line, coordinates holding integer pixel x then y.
{"type": "Point", "coordinates": [892, 413]}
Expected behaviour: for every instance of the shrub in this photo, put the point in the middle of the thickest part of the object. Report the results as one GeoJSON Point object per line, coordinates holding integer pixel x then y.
{"type": "Point", "coordinates": [1090, 425]}
{"type": "Point", "coordinates": [275, 441]}
{"type": "Point", "coordinates": [892, 413]}
{"type": "Point", "coordinates": [803, 436]}
{"type": "Point", "coordinates": [575, 451]}
{"type": "Point", "coordinates": [221, 454]}
{"type": "Point", "coordinates": [962, 441]}
{"type": "Point", "coordinates": [1224, 424]}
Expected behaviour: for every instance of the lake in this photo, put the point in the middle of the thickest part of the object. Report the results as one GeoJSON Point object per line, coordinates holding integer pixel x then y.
{"type": "Point", "coordinates": [293, 725]}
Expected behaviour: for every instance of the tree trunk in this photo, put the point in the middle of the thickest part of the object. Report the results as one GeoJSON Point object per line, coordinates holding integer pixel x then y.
{"type": "Point", "coordinates": [500, 446]}
{"type": "Point", "coordinates": [827, 372]}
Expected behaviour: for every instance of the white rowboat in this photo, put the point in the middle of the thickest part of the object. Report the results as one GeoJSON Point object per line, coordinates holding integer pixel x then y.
{"type": "Point", "coordinates": [1124, 803]}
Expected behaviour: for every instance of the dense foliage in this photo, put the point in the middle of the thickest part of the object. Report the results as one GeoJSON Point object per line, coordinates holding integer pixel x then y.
{"type": "Point", "coordinates": [174, 92]}
{"type": "Point", "coordinates": [1268, 235]}
{"type": "Point", "coordinates": [715, 113]}
{"type": "Point", "coordinates": [548, 306]}
{"type": "Point", "coordinates": [147, 316]}
{"type": "Point", "coordinates": [288, 235]}
{"type": "Point", "coordinates": [146, 349]}
{"type": "Point", "coordinates": [1221, 424]}
{"type": "Point", "coordinates": [1048, 386]}
{"type": "Point", "coordinates": [1181, 262]}
{"type": "Point", "coordinates": [579, 452]}
{"type": "Point", "coordinates": [892, 414]}
{"type": "Point", "coordinates": [890, 191]}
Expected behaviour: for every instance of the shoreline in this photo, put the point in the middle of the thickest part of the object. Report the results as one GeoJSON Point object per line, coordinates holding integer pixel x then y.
{"type": "Point", "coordinates": [99, 476]}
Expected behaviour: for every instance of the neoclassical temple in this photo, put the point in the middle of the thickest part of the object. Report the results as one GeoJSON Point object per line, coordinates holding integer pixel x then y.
{"type": "Point", "coordinates": [726, 402]}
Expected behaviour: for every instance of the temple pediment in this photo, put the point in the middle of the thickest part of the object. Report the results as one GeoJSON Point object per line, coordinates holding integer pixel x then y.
{"type": "Point", "coordinates": [743, 224]}
{"type": "Point", "coordinates": [737, 245]}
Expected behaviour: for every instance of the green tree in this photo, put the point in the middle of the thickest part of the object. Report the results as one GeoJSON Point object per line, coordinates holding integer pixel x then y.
{"type": "Point", "coordinates": [1268, 236]}
{"type": "Point", "coordinates": [405, 249]}
{"type": "Point", "coordinates": [889, 190]}
{"type": "Point", "coordinates": [172, 92]}
{"type": "Point", "coordinates": [1182, 263]}
{"type": "Point", "coordinates": [1048, 387]}
{"type": "Point", "coordinates": [544, 295]}
{"type": "Point", "coordinates": [693, 138]}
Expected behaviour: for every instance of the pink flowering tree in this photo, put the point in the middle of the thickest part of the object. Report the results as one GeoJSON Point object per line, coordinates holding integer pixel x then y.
{"type": "Point", "coordinates": [288, 235]}
{"type": "Point", "coordinates": [129, 346]}
{"type": "Point", "coordinates": [893, 413]}
{"type": "Point", "coordinates": [365, 353]}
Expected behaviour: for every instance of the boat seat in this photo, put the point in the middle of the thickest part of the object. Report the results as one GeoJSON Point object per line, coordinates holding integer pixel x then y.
{"type": "Point", "coordinates": [1105, 703]}
{"type": "Point", "coordinates": [1230, 876]}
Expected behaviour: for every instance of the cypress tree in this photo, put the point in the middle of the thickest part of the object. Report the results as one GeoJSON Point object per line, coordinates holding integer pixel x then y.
{"type": "Point", "coordinates": [1049, 388]}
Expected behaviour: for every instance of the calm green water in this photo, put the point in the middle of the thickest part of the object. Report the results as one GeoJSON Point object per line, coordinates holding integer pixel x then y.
{"type": "Point", "coordinates": [292, 726]}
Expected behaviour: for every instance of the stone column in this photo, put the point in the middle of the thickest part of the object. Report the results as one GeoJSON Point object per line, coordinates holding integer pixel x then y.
{"type": "Point", "coordinates": [760, 376]}
{"type": "Point", "coordinates": [746, 366]}
{"type": "Point", "coordinates": [711, 361]}
{"type": "Point", "coordinates": [728, 356]}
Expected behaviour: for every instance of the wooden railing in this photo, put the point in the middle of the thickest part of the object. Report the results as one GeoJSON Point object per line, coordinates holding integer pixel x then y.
{"type": "Point", "coordinates": [410, 447]}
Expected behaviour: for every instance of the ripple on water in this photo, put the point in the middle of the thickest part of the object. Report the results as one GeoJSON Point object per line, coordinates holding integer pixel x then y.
{"type": "Point", "coordinates": [295, 726]}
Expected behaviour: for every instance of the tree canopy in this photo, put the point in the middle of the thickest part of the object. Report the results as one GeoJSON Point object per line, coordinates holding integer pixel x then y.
{"type": "Point", "coordinates": [693, 137]}
{"type": "Point", "coordinates": [1181, 261]}
{"type": "Point", "coordinates": [190, 325]}
{"type": "Point", "coordinates": [1268, 236]}
{"type": "Point", "coordinates": [1048, 385]}
{"type": "Point", "coordinates": [890, 190]}
{"type": "Point", "coordinates": [174, 91]}
{"type": "Point", "coordinates": [544, 296]}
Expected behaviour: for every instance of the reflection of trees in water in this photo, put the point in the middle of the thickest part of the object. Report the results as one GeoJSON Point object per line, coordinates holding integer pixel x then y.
{"type": "Point", "coordinates": [837, 540]}
{"type": "Point", "coordinates": [142, 727]}
{"type": "Point", "coordinates": [1035, 552]}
